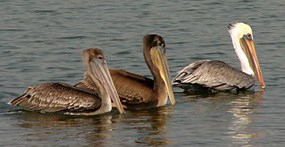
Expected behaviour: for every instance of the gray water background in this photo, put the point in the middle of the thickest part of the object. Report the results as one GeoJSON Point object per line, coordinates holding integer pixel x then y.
{"type": "Point", "coordinates": [41, 41]}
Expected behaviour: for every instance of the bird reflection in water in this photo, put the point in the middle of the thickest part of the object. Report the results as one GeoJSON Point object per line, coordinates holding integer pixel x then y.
{"type": "Point", "coordinates": [242, 109]}
{"type": "Point", "coordinates": [241, 106]}
{"type": "Point", "coordinates": [143, 127]}
{"type": "Point", "coordinates": [68, 130]}
{"type": "Point", "coordinates": [150, 126]}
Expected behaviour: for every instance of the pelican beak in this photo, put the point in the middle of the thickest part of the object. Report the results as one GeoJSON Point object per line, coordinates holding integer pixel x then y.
{"type": "Point", "coordinates": [159, 57]}
{"type": "Point", "coordinates": [249, 50]}
{"type": "Point", "coordinates": [99, 69]}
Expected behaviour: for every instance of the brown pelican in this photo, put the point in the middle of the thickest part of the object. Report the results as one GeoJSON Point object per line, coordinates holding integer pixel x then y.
{"type": "Point", "coordinates": [138, 92]}
{"type": "Point", "coordinates": [219, 76]}
{"type": "Point", "coordinates": [60, 97]}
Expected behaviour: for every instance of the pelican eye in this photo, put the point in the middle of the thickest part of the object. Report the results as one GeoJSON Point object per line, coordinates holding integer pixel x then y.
{"type": "Point", "coordinates": [100, 57]}
{"type": "Point", "coordinates": [248, 36]}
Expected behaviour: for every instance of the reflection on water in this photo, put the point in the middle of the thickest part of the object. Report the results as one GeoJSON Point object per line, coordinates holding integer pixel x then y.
{"type": "Point", "coordinates": [68, 130]}
{"type": "Point", "coordinates": [101, 135]}
{"type": "Point", "coordinates": [150, 125]}
{"type": "Point", "coordinates": [242, 108]}
{"type": "Point", "coordinates": [146, 127]}
{"type": "Point", "coordinates": [42, 42]}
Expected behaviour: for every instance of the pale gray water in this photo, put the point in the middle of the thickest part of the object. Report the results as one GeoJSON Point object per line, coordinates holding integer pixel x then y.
{"type": "Point", "coordinates": [41, 41]}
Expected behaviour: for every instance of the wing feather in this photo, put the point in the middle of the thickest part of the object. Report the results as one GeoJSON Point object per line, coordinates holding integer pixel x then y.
{"type": "Point", "coordinates": [213, 74]}
{"type": "Point", "coordinates": [54, 97]}
{"type": "Point", "coordinates": [132, 88]}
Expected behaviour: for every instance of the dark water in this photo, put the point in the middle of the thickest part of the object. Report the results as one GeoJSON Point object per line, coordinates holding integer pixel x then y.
{"type": "Point", "coordinates": [41, 41]}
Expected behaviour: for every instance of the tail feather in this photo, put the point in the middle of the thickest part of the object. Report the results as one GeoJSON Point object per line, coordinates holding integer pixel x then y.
{"type": "Point", "coordinates": [17, 100]}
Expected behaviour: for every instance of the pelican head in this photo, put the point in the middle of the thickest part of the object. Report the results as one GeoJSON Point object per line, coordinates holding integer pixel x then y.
{"type": "Point", "coordinates": [96, 66]}
{"type": "Point", "coordinates": [242, 39]}
{"type": "Point", "coordinates": [155, 56]}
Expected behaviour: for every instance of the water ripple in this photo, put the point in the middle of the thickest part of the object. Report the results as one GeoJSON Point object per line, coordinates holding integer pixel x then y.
{"type": "Point", "coordinates": [42, 42]}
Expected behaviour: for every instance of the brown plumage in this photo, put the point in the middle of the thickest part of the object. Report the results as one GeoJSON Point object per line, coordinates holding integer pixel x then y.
{"type": "Point", "coordinates": [138, 92]}
{"type": "Point", "coordinates": [61, 97]}
{"type": "Point", "coordinates": [57, 97]}
{"type": "Point", "coordinates": [132, 88]}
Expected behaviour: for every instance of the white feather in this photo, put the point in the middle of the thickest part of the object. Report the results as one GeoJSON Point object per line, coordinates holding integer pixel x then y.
{"type": "Point", "coordinates": [236, 32]}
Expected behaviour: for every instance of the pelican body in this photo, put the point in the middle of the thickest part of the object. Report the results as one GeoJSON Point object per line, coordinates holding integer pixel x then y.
{"type": "Point", "coordinates": [219, 76]}
{"type": "Point", "coordinates": [139, 92]}
{"type": "Point", "coordinates": [64, 98]}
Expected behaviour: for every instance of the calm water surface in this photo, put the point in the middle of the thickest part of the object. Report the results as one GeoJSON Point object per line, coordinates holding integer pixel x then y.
{"type": "Point", "coordinates": [41, 41]}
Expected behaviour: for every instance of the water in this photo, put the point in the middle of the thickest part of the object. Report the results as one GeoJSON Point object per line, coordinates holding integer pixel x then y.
{"type": "Point", "coordinates": [41, 41]}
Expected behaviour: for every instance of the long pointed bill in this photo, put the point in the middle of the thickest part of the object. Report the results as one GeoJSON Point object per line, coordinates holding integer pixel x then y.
{"type": "Point", "coordinates": [249, 49]}
{"type": "Point", "coordinates": [101, 71]}
{"type": "Point", "coordinates": [162, 64]}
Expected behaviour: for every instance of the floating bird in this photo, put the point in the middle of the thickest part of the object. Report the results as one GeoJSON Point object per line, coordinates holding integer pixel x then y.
{"type": "Point", "coordinates": [139, 92]}
{"type": "Point", "coordinates": [217, 75]}
{"type": "Point", "coordinates": [61, 97]}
